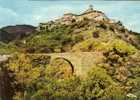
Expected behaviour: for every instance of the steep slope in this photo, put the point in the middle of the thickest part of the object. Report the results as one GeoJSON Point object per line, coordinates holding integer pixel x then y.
{"type": "Point", "coordinates": [66, 33]}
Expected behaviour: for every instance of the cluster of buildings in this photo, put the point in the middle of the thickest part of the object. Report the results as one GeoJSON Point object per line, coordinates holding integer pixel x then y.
{"type": "Point", "coordinates": [69, 18]}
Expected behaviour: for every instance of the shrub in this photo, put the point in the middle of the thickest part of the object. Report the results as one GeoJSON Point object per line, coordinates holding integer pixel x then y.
{"type": "Point", "coordinates": [53, 39]}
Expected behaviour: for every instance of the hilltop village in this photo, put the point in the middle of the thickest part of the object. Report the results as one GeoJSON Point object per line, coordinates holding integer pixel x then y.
{"type": "Point", "coordinates": [69, 18]}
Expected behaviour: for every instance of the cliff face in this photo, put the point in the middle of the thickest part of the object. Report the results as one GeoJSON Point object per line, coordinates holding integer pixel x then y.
{"type": "Point", "coordinates": [6, 89]}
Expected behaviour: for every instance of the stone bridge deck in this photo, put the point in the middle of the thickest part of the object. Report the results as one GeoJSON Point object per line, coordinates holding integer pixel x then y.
{"type": "Point", "coordinates": [81, 61]}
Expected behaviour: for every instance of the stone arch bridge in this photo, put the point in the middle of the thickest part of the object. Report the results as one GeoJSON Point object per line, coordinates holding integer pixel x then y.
{"type": "Point", "coordinates": [80, 62]}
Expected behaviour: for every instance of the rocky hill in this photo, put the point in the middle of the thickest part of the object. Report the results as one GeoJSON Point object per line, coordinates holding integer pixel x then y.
{"type": "Point", "coordinates": [115, 74]}
{"type": "Point", "coordinates": [66, 33]}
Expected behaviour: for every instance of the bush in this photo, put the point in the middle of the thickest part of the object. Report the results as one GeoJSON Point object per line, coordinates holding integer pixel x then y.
{"type": "Point", "coordinates": [53, 39]}
{"type": "Point", "coordinates": [95, 86]}
{"type": "Point", "coordinates": [7, 48]}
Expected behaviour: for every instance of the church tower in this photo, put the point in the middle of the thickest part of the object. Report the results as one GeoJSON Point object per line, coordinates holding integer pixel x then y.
{"type": "Point", "coordinates": [90, 9]}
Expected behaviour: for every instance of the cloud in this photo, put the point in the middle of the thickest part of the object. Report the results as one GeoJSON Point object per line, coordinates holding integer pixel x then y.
{"type": "Point", "coordinates": [7, 16]}
{"type": "Point", "coordinates": [7, 11]}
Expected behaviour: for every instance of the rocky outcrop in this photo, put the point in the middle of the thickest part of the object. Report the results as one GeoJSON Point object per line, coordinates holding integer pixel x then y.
{"type": "Point", "coordinates": [6, 89]}
{"type": "Point", "coordinates": [4, 57]}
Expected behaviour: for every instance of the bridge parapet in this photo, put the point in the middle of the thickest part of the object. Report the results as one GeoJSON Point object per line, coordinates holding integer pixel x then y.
{"type": "Point", "coordinates": [81, 61]}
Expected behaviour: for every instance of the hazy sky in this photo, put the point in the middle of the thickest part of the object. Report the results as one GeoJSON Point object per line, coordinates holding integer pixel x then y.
{"type": "Point", "coordinates": [34, 11]}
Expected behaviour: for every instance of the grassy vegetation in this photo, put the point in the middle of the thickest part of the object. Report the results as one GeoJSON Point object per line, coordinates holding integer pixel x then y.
{"type": "Point", "coordinates": [7, 48]}
{"type": "Point", "coordinates": [54, 39]}
{"type": "Point", "coordinates": [106, 80]}
{"type": "Point", "coordinates": [116, 76]}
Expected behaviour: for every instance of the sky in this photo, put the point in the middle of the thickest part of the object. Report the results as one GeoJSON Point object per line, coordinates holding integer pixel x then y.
{"type": "Point", "coordinates": [32, 12]}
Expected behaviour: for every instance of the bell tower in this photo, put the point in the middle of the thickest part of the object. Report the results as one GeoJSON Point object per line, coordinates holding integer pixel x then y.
{"type": "Point", "coordinates": [91, 7]}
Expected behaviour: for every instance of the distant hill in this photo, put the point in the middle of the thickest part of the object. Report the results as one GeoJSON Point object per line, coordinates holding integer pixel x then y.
{"type": "Point", "coordinates": [17, 32]}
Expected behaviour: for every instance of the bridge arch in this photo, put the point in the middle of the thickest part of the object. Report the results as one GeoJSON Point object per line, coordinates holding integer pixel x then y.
{"type": "Point", "coordinates": [65, 67]}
